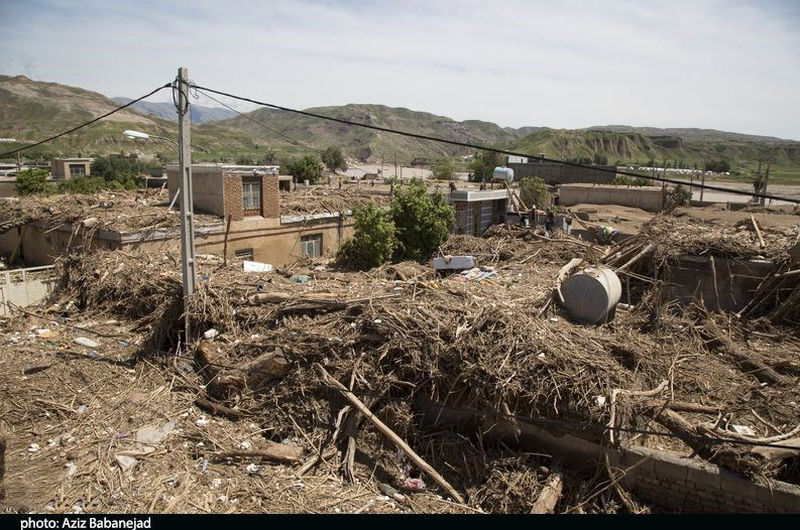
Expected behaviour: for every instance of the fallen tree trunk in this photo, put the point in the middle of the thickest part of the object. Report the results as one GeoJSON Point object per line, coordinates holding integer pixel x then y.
{"type": "Point", "coordinates": [746, 362]}
{"type": "Point", "coordinates": [550, 494]}
{"type": "Point", "coordinates": [396, 440]}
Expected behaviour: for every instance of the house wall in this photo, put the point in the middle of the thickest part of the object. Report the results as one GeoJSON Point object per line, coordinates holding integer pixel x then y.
{"type": "Point", "coordinates": [219, 193]}
{"type": "Point", "coordinates": [59, 168]}
{"type": "Point", "coordinates": [40, 247]}
{"type": "Point", "coordinates": [646, 198]}
{"type": "Point", "coordinates": [554, 173]}
{"type": "Point", "coordinates": [270, 241]}
{"type": "Point", "coordinates": [206, 188]}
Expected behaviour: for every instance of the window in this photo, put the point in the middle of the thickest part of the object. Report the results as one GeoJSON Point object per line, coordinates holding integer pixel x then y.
{"type": "Point", "coordinates": [311, 246]}
{"type": "Point", "coordinates": [251, 195]}
{"type": "Point", "coordinates": [245, 254]}
{"type": "Point", "coordinates": [77, 170]}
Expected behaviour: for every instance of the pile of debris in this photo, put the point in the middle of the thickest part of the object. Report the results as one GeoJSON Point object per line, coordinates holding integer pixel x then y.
{"type": "Point", "coordinates": [318, 200]}
{"type": "Point", "coordinates": [123, 211]}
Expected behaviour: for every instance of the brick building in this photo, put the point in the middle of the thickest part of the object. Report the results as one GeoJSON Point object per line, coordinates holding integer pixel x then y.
{"type": "Point", "coordinates": [64, 168]}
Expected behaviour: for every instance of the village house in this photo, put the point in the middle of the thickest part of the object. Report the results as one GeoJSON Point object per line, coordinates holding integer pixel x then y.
{"type": "Point", "coordinates": [237, 213]}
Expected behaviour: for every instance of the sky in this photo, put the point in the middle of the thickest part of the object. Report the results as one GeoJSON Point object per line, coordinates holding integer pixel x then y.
{"type": "Point", "coordinates": [730, 65]}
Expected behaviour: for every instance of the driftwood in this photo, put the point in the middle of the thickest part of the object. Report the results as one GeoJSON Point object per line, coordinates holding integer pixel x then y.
{"type": "Point", "coordinates": [746, 362]}
{"type": "Point", "coordinates": [314, 460]}
{"type": "Point", "coordinates": [396, 440]}
{"type": "Point", "coordinates": [550, 494]}
{"type": "Point", "coordinates": [681, 406]}
{"type": "Point", "coordinates": [758, 232]}
{"type": "Point", "coordinates": [612, 422]}
{"type": "Point", "coordinates": [287, 454]}
{"type": "Point", "coordinates": [565, 271]}
{"type": "Point", "coordinates": [256, 373]}
{"type": "Point", "coordinates": [216, 409]}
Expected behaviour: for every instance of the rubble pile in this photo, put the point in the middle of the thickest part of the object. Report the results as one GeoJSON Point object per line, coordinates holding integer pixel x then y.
{"type": "Point", "coordinates": [297, 359]}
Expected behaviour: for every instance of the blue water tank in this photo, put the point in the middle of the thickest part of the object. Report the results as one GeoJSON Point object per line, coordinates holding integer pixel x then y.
{"type": "Point", "coordinates": [503, 173]}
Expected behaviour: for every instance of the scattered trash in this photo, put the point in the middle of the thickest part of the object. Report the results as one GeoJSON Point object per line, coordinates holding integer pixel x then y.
{"type": "Point", "coordinates": [201, 422]}
{"type": "Point", "coordinates": [81, 409]}
{"type": "Point", "coordinates": [743, 429]}
{"type": "Point", "coordinates": [125, 462]}
{"type": "Point", "coordinates": [211, 334]}
{"type": "Point", "coordinates": [600, 400]}
{"type": "Point", "coordinates": [553, 319]}
{"type": "Point", "coordinates": [299, 278]}
{"type": "Point", "coordinates": [414, 484]}
{"type": "Point", "coordinates": [33, 448]}
{"type": "Point", "coordinates": [246, 444]}
{"type": "Point", "coordinates": [83, 341]}
{"type": "Point", "coordinates": [256, 266]}
{"type": "Point", "coordinates": [44, 333]}
{"type": "Point", "coordinates": [154, 435]}
{"type": "Point", "coordinates": [92, 354]}
{"type": "Point", "coordinates": [453, 263]}
{"type": "Point", "coordinates": [71, 468]}
{"type": "Point", "coordinates": [123, 343]}
{"type": "Point", "coordinates": [252, 469]}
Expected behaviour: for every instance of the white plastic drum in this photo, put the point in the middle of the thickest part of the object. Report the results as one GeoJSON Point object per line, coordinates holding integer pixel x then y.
{"type": "Point", "coordinates": [591, 295]}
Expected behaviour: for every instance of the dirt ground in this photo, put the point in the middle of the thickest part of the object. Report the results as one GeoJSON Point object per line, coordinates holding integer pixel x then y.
{"type": "Point", "coordinates": [113, 424]}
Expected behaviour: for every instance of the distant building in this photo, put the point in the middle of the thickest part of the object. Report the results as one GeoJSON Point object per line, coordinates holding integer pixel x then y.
{"type": "Point", "coordinates": [557, 173]}
{"type": "Point", "coordinates": [65, 168]}
{"type": "Point", "coordinates": [478, 210]}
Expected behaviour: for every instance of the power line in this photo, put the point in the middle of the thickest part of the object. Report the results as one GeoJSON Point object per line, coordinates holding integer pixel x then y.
{"type": "Point", "coordinates": [496, 150]}
{"type": "Point", "coordinates": [267, 127]}
{"type": "Point", "coordinates": [107, 114]}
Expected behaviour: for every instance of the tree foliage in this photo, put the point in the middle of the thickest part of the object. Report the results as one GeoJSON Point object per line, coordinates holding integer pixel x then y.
{"type": "Point", "coordinates": [444, 169]}
{"type": "Point", "coordinates": [422, 222]}
{"type": "Point", "coordinates": [482, 165]}
{"type": "Point", "coordinates": [34, 181]}
{"type": "Point", "coordinates": [533, 191]}
{"type": "Point", "coordinates": [374, 239]}
{"type": "Point", "coordinates": [333, 159]}
{"type": "Point", "coordinates": [118, 171]}
{"type": "Point", "coordinates": [717, 166]}
{"type": "Point", "coordinates": [307, 168]}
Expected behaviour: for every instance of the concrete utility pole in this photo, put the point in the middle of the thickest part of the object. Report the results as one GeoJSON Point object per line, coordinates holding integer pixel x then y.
{"type": "Point", "coordinates": [188, 264]}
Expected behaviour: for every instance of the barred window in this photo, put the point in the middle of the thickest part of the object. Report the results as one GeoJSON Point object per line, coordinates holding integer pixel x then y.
{"type": "Point", "coordinates": [311, 246]}
{"type": "Point", "coordinates": [251, 195]}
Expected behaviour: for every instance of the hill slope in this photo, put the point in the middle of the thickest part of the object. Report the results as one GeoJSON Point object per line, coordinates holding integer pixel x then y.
{"type": "Point", "coordinates": [294, 132]}
{"type": "Point", "coordinates": [33, 110]}
{"type": "Point", "coordinates": [166, 111]}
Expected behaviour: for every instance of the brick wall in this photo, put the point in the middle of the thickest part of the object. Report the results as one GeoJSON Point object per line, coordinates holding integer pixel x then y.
{"type": "Point", "coordinates": [232, 193]}
{"type": "Point", "coordinates": [690, 485]}
{"type": "Point", "coordinates": [270, 196]}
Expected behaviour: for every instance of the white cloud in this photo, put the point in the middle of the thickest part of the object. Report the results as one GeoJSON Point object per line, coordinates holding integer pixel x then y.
{"type": "Point", "coordinates": [725, 65]}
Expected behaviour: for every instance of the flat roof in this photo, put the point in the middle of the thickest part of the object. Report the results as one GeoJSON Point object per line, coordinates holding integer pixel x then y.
{"type": "Point", "coordinates": [473, 196]}
{"type": "Point", "coordinates": [232, 168]}
{"type": "Point", "coordinates": [75, 159]}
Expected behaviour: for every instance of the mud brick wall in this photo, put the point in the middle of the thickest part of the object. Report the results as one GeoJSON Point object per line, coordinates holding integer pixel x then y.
{"type": "Point", "coordinates": [232, 193]}
{"type": "Point", "coordinates": [689, 485]}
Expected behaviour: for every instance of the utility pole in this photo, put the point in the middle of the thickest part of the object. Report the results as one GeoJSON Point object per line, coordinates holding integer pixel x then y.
{"type": "Point", "coordinates": [188, 264]}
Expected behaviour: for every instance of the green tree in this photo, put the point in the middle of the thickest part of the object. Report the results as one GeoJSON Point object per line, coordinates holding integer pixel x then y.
{"type": "Point", "coordinates": [245, 160]}
{"type": "Point", "coordinates": [34, 181]}
{"type": "Point", "coordinates": [333, 159]}
{"type": "Point", "coordinates": [600, 159]}
{"type": "Point", "coordinates": [422, 222]}
{"type": "Point", "coordinates": [443, 169]}
{"type": "Point", "coordinates": [87, 185]}
{"type": "Point", "coordinates": [307, 168]}
{"type": "Point", "coordinates": [482, 165]}
{"type": "Point", "coordinates": [533, 191]}
{"type": "Point", "coordinates": [373, 241]}
{"type": "Point", "coordinates": [118, 170]}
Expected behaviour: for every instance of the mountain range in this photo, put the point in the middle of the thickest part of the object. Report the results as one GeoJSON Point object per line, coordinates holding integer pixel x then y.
{"type": "Point", "coordinates": [32, 110]}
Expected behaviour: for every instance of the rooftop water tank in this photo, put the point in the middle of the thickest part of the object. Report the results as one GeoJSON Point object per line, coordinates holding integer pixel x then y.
{"type": "Point", "coordinates": [503, 173]}
{"type": "Point", "coordinates": [591, 295]}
